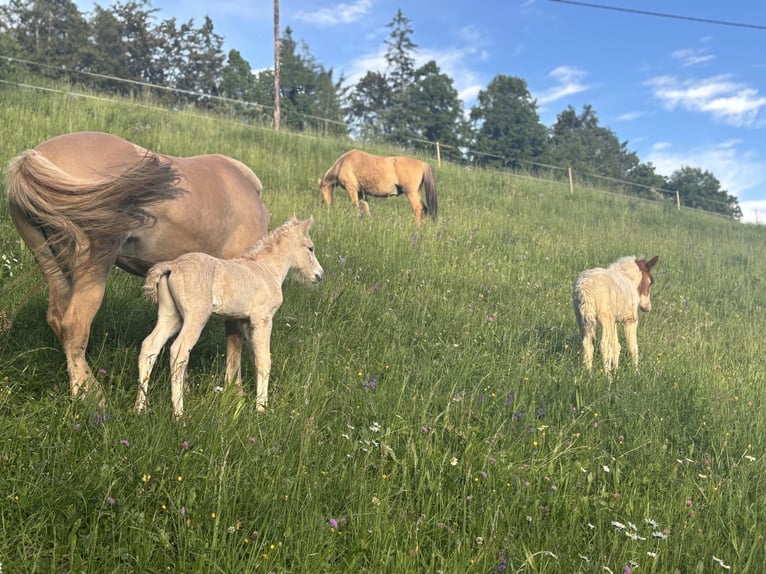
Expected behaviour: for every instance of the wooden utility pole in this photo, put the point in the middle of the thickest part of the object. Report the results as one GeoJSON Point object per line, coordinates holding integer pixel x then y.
{"type": "Point", "coordinates": [276, 65]}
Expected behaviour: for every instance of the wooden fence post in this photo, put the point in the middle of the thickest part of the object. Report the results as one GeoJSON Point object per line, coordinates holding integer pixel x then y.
{"type": "Point", "coordinates": [438, 155]}
{"type": "Point", "coordinates": [571, 182]}
{"type": "Point", "coordinates": [678, 200]}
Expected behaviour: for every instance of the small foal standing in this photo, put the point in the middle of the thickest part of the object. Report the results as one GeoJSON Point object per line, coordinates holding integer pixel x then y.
{"type": "Point", "coordinates": [248, 289]}
{"type": "Point", "coordinates": [610, 296]}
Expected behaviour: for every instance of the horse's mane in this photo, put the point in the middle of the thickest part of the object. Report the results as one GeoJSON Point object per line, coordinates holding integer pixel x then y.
{"type": "Point", "coordinates": [627, 267]}
{"type": "Point", "coordinates": [267, 243]}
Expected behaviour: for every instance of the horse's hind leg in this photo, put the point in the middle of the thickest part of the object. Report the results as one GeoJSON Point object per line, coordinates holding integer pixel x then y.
{"type": "Point", "coordinates": [168, 324]}
{"type": "Point", "coordinates": [73, 300]}
{"type": "Point", "coordinates": [588, 332]}
{"type": "Point", "coordinates": [179, 358]}
{"type": "Point", "coordinates": [234, 336]}
{"type": "Point", "coordinates": [418, 207]}
{"type": "Point", "coordinates": [85, 298]}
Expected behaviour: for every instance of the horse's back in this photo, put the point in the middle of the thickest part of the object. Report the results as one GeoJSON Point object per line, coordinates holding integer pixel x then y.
{"type": "Point", "coordinates": [90, 155]}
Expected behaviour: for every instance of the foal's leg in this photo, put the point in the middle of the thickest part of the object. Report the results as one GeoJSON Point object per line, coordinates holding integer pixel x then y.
{"type": "Point", "coordinates": [234, 336]}
{"type": "Point", "coordinates": [610, 345]}
{"type": "Point", "coordinates": [631, 338]}
{"type": "Point", "coordinates": [179, 358]}
{"type": "Point", "coordinates": [260, 339]}
{"type": "Point", "coordinates": [168, 324]}
{"type": "Point", "coordinates": [588, 331]}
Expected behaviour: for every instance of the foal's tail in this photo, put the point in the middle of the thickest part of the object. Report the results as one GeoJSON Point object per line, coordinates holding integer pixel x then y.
{"type": "Point", "coordinates": [157, 273]}
{"type": "Point", "coordinates": [76, 213]}
{"type": "Point", "coordinates": [432, 199]}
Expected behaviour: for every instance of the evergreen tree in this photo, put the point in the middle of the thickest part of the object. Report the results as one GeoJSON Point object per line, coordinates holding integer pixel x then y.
{"type": "Point", "coordinates": [49, 31]}
{"type": "Point", "coordinates": [579, 142]}
{"type": "Point", "coordinates": [308, 94]}
{"type": "Point", "coordinates": [506, 125]}
{"type": "Point", "coordinates": [434, 111]}
{"type": "Point", "coordinates": [366, 105]}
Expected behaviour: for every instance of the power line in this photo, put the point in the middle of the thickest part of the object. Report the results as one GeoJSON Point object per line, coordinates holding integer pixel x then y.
{"type": "Point", "coordinates": [662, 14]}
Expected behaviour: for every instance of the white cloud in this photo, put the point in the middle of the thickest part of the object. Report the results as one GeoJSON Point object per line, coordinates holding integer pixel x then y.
{"type": "Point", "coordinates": [568, 81]}
{"type": "Point", "coordinates": [691, 57]}
{"type": "Point", "coordinates": [339, 14]}
{"type": "Point", "coordinates": [630, 116]}
{"type": "Point", "coordinates": [741, 173]}
{"type": "Point", "coordinates": [726, 100]}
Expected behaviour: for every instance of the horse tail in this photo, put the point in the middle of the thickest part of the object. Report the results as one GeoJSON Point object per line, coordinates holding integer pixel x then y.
{"type": "Point", "coordinates": [429, 182]}
{"type": "Point", "coordinates": [78, 214]}
{"type": "Point", "coordinates": [157, 273]}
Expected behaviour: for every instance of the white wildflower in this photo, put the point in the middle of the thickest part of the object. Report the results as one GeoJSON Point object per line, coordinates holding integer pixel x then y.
{"type": "Point", "coordinates": [617, 525]}
{"type": "Point", "coordinates": [453, 461]}
{"type": "Point", "coordinates": [606, 468]}
{"type": "Point", "coordinates": [721, 563]}
{"type": "Point", "coordinates": [375, 427]}
{"type": "Point", "coordinates": [658, 534]}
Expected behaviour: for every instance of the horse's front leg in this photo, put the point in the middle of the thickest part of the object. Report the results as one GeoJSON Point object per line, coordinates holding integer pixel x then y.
{"type": "Point", "coordinates": [260, 339]}
{"type": "Point", "coordinates": [234, 335]}
{"type": "Point", "coordinates": [354, 194]}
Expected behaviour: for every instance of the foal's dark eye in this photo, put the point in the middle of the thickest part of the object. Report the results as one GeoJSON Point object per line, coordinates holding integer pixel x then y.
{"type": "Point", "coordinates": [311, 249]}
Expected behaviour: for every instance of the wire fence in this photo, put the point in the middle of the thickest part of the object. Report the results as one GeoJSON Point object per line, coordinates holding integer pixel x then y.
{"type": "Point", "coordinates": [314, 126]}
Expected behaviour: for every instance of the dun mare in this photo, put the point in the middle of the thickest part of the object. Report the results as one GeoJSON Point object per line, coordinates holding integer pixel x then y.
{"type": "Point", "coordinates": [362, 174]}
{"type": "Point", "coordinates": [86, 201]}
{"type": "Point", "coordinates": [611, 296]}
{"type": "Point", "coordinates": [247, 289]}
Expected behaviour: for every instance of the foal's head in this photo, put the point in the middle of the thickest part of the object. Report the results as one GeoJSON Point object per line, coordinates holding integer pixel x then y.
{"type": "Point", "coordinates": [305, 263]}
{"type": "Point", "coordinates": [646, 282]}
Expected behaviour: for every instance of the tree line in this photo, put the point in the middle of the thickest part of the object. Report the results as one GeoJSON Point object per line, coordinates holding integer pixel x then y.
{"type": "Point", "coordinates": [404, 105]}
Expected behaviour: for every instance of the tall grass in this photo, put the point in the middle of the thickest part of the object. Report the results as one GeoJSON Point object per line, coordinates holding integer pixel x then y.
{"type": "Point", "coordinates": [429, 408]}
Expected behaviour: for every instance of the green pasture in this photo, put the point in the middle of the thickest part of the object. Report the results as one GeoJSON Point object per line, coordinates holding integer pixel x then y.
{"type": "Point", "coordinates": [429, 411]}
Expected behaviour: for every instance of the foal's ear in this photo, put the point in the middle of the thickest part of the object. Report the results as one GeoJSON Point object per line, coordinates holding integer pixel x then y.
{"type": "Point", "coordinates": [653, 261]}
{"type": "Point", "coordinates": [308, 223]}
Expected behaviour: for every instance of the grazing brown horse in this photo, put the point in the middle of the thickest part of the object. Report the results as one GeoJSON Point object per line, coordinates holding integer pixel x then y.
{"type": "Point", "coordinates": [247, 288]}
{"type": "Point", "coordinates": [86, 201]}
{"type": "Point", "coordinates": [362, 174]}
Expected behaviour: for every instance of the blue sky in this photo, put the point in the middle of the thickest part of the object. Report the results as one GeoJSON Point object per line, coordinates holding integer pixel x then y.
{"type": "Point", "coordinates": [680, 92]}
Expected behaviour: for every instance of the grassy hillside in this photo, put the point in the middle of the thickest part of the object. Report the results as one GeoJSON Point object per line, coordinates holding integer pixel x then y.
{"type": "Point", "coordinates": [429, 411]}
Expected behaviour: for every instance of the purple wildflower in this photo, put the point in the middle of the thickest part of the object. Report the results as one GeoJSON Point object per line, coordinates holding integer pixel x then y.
{"type": "Point", "coordinates": [125, 443]}
{"type": "Point", "coordinates": [333, 523]}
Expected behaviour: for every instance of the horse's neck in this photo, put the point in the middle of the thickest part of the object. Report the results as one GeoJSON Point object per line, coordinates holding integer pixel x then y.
{"type": "Point", "coordinates": [273, 264]}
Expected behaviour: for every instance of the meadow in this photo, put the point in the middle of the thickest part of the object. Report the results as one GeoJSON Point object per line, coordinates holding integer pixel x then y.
{"type": "Point", "coordinates": [428, 412]}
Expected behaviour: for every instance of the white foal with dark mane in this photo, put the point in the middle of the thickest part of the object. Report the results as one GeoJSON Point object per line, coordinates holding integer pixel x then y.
{"type": "Point", "coordinates": [247, 289]}
{"type": "Point", "coordinates": [610, 296]}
